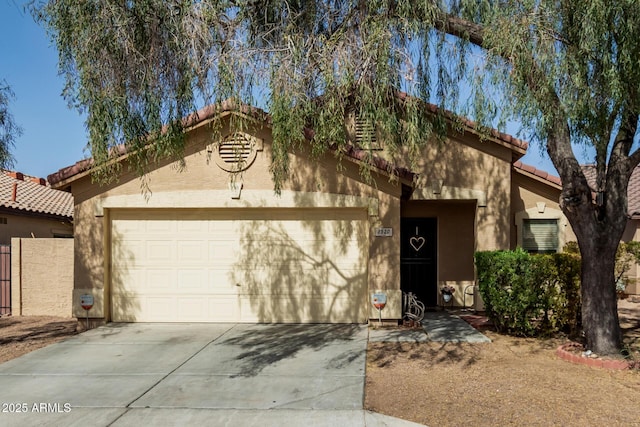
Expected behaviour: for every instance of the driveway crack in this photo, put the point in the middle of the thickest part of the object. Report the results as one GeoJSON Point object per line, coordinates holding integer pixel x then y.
{"type": "Point", "coordinates": [128, 406]}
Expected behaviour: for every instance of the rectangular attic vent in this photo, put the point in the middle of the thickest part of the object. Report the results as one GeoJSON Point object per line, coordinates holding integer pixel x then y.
{"type": "Point", "coordinates": [365, 132]}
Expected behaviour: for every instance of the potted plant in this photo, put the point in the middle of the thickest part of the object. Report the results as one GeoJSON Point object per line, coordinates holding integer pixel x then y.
{"type": "Point", "coordinates": [621, 287]}
{"type": "Point", "coordinates": [447, 292]}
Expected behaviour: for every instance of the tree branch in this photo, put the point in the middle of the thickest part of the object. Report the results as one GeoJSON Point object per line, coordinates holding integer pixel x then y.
{"type": "Point", "coordinates": [462, 28]}
{"type": "Point", "coordinates": [624, 138]}
{"type": "Point", "coordinates": [559, 138]}
{"type": "Point", "coordinates": [634, 159]}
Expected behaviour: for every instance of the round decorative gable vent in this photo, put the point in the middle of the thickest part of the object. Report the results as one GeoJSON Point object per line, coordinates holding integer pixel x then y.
{"type": "Point", "coordinates": [236, 152]}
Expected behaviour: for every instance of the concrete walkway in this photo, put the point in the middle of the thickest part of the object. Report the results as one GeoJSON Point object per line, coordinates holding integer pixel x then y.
{"type": "Point", "coordinates": [208, 374]}
{"type": "Point", "coordinates": [440, 326]}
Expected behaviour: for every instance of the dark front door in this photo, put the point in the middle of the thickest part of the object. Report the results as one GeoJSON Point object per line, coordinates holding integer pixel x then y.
{"type": "Point", "coordinates": [418, 256]}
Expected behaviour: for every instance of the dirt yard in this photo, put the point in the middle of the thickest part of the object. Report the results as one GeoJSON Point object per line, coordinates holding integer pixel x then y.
{"type": "Point", "coordinates": [20, 335]}
{"type": "Point", "coordinates": [509, 382]}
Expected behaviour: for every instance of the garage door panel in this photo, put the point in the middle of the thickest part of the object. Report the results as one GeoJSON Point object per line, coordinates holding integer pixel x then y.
{"type": "Point", "coordinates": [275, 258]}
{"type": "Point", "coordinates": [158, 309]}
{"type": "Point", "coordinates": [160, 251]}
{"type": "Point", "coordinates": [192, 309]}
{"type": "Point", "coordinates": [192, 226]}
{"type": "Point", "coordinates": [123, 254]}
{"type": "Point", "coordinates": [192, 252]}
{"type": "Point", "coordinates": [223, 230]}
{"type": "Point", "coordinates": [264, 284]}
{"type": "Point", "coordinates": [125, 307]}
{"type": "Point", "coordinates": [222, 253]}
{"type": "Point", "coordinates": [221, 281]}
{"type": "Point", "coordinates": [346, 278]}
{"type": "Point", "coordinates": [285, 280]}
{"type": "Point", "coordinates": [223, 308]}
{"type": "Point", "coordinates": [198, 308]}
{"type": "Point", "coordinates": [287, 309]}
{"type": "Point", "coordinates": [128, 278]}
{"type": "Point", "coordinates": [239, 265]}
{"type": "Point", "coordinates": [158, 226]}
{"type": "Point", "coordinates": [192, 280]}
{"type": "Point", "coordinates": [129, 226]}
{"type": "Point", "coordinates": [156, 280]}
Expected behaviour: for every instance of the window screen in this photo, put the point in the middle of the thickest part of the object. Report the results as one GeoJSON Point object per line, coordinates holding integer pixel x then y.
{"type": "Point", "coordinates": [540, 235]}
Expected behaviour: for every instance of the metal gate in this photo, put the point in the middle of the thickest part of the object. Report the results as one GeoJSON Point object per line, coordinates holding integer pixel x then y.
{"type": "Point", "coordinates": [5, 280]}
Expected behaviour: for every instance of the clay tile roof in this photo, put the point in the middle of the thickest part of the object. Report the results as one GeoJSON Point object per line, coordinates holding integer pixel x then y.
{"type": "Point", "coordinates": [470, 124]}
{"type": "Point", "coordinates": [380, 163]}
{"type": "Point", "coordinates": [30, 194]}
{"type": "Point", "coordinates": [538, 173]}
{"type": "Point", "coordinates": [191, 120]}
{"type": "Point", "coordinates": [633, 189]}
{"type": "Point", "coordinates": [210, 111]}
{"type": "Point", "coordinates": [633, 194]}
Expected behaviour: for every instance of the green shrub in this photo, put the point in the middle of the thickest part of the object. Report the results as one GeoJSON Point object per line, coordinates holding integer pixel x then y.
{"type": "Point", "coordinates": [570, 303]}
{"type": "Point", "coordinates": [529, 295]}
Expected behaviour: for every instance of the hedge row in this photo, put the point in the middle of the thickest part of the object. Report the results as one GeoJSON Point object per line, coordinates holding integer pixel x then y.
{"type": "Point", "coordinates": [530, 295]}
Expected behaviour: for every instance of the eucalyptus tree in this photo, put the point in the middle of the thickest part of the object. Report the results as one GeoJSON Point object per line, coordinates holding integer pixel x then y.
{"type": "Point", "coordinates": [9, 130]}
{"type": "Point", "coordinates": [568, 70]}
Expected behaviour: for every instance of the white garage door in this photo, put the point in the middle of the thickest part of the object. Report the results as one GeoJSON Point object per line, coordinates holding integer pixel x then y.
{"type": "Point", "coordinates": [239, 265]}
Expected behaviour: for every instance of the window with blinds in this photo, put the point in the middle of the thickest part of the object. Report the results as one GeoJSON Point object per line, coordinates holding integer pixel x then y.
{"type": "Point", "coordinates": [540, 235]}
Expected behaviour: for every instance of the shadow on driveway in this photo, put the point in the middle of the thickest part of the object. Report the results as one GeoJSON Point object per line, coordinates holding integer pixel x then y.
{"type": "Point", "coordinates": [265, 345]}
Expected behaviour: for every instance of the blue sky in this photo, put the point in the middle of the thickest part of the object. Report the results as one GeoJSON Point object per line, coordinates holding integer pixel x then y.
{"type": "Point", "coordinates": [53, 135]}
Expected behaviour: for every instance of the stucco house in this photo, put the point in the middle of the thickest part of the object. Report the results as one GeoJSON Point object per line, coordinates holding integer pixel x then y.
{"type": "Point", "coordinates": [29, 207]}
{"type": "Point", "coordinates": [208, 244]}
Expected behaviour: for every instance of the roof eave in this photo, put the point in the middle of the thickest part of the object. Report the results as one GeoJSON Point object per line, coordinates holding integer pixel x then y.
{"type": "Point", "coordinates": [553, 182]}
{"type": "Point", "coordinates": [31, 213]}
{"type": "Point", "coordinates": [202, 117]}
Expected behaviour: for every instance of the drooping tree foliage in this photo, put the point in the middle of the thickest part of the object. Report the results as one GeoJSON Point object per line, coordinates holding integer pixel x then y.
{"type": "Point", "coordinates": [137, 66]}
{"type": "Point", "coordinates": [567, 69]}
{"type": "Point", "coordinates": [9, 130]}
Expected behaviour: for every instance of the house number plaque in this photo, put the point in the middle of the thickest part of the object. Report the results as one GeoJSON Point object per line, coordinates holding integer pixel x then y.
{"type": "Point", "coordinates": [383, 232]}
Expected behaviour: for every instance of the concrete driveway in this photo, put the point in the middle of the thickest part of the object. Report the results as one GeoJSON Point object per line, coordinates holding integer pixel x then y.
{"type": "Point", "coordinates": [177, 374]}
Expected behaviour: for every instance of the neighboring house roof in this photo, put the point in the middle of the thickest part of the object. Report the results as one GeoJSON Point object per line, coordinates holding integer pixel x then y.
{"type": "Point", "coordinates": [633, 194]}
{"type": "Point", "coordinates": [207, 113]}
{"type": "Point", "coordinates": [33, 195]}
{"type": "Point", "coordinates": [633, 189]}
